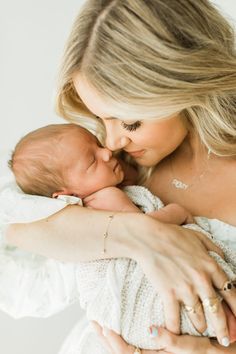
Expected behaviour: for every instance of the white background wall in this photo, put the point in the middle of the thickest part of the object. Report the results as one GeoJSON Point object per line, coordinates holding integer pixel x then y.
{"type": "Point", "coordinates": [32, 36]}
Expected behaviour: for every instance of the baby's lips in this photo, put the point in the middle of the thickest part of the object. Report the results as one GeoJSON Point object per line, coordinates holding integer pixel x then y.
{"type": "Point", "coordinates": [231, 321]}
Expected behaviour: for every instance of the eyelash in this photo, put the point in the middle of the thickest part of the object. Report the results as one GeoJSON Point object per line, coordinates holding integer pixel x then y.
{"type": "Point", "coordinates": [131, 127]}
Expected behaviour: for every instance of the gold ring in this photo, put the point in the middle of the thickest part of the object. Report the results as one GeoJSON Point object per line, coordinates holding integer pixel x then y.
{"type": "Point", "coordinates": [192, 309]}
{"type": "Point", "coordinates": [229, 285]}
{"type": "Point", "coordinates": [211, 304]}
{"type": "Point", "coordinates": [137, 351]}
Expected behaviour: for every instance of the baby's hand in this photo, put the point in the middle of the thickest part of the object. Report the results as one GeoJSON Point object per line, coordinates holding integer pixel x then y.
{"type": "Point", "coordinates": [173, 214]}
{"type": "Point", "coordinates": [110, 198]}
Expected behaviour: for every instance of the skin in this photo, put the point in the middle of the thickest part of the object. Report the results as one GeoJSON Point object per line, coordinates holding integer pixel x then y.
{"type": "Point", "coordinates": [167, 342]}
{"type": "Point", "coordinates": [153, 147]}
{"type": "Point", "coordinates": [92, 173]}
{"type": "Point", "coordinates": [87, 166]}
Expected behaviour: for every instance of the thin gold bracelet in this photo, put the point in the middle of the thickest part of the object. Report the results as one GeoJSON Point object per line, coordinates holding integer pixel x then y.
{"type": "Point", "coordinates": [106, 233]}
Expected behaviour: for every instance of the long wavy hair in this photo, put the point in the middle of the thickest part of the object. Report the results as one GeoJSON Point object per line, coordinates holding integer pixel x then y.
{"type": "Point", "coordinates": [152, 58]}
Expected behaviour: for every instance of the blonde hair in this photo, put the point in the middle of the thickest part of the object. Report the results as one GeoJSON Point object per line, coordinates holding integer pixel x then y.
{"type": "Point", "coordinates": [34, 160]}
{"type": "Point", "coordinates": [152, 58]}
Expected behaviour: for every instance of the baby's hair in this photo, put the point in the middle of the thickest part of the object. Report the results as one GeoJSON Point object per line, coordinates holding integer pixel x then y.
{"type": "Point", "coordinates": [34, 160]}
{"type": "Point", "coordinates": [152, 58]}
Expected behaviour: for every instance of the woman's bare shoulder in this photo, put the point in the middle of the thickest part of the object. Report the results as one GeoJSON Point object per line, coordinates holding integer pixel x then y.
{"type": "Point", "coordinates": [213, 196]}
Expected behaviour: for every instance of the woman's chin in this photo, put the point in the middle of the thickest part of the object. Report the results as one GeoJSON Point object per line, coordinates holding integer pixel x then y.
{"type": "Point", "coordinates": [146, 162]}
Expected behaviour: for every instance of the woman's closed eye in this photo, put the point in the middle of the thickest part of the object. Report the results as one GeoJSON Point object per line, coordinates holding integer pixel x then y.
{"type": "Point", "coordinates": [131, 127]}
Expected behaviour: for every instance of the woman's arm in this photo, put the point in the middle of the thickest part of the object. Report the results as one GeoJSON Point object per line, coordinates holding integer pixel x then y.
{"type": "Point", "coordinates": [29, 284]}
{"type": "Point", "coordinates": [169, 255]}
{"type": "Point", "coordinates": [75, 234]}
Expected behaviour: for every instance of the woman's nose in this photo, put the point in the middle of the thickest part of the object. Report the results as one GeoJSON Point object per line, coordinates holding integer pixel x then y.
{"type": "Point", "coordinates": [116, 142]}
{"type": "Point", "coordinates": [115, 137]}
{"type": "Point", "coordinates": [106, 154]}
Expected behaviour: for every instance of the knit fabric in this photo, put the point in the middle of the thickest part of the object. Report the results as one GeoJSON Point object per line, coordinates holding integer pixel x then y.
{"type": "Point", "coordinates": [117, 294]}
{"type": "Point", "coordinates": [114, 292]}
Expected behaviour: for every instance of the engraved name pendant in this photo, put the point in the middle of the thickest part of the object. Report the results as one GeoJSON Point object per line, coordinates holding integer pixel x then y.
{"type": "Point", "coordinates": [179, 184]}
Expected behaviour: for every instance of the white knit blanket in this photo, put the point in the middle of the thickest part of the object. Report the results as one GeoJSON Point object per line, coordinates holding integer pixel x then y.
{"type": "Point", "coordinates": [118, 295]}
{"type": "Point", "coordinates": [114, 292]}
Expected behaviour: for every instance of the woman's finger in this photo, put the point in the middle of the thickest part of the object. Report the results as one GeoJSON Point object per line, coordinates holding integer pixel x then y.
{"type": "Point", "coordinates": [113, 341]}
{"type": "Point", "coordinates": [104, 341]}
{"type": "Point", "coordinates": [230, 299]}
{"type": "Point", "coordinates": [220, 279]}
{"type": "Point", "coordinates": [195, 313]}
{"type": "Point", "coordinates": [172, 313]}
{"type": "Point", "coordinates": [210, 246]}
{"type": "Point", "coordinates": [178, 344]}
{"type": "Point", "coordinates": [231, 320]}
{"type": "Point", "coordinates": [215, 312]}
{"type": "Point", "coordinates": [165, 341]}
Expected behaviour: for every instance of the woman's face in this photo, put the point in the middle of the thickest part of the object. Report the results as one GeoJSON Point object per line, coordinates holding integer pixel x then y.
{"type": "Point", "coordinates": [147, 141]}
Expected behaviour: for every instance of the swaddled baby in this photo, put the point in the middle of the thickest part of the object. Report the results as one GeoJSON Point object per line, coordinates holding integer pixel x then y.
{"type": "Point", "coordinates": [68, 160]}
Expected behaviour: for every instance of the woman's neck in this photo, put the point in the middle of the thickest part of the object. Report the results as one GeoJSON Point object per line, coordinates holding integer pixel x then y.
{"type": "Point", "coordinates": [192, 149]}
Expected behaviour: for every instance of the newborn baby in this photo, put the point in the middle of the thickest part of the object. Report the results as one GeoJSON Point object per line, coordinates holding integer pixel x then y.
{"type": "Point", "coordinates": [66, 159]}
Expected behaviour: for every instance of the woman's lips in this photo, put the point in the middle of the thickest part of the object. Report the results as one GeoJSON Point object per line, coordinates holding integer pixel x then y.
{"type": "Point", "coordinates": [137, 153]}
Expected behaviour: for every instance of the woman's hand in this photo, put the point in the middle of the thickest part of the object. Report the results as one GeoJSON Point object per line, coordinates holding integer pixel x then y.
{"type": "Point", "coordinates": [177, 262]}
{"type": "Point", "coordinates": [167, 342]}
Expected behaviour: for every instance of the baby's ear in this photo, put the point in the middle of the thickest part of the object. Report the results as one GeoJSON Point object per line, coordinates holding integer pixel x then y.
{"type": "Point", "coordinates": [63, 192]}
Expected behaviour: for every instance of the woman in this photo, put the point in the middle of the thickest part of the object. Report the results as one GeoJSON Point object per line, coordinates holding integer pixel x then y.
{"type": "Point", "coordinates": [160, 76]}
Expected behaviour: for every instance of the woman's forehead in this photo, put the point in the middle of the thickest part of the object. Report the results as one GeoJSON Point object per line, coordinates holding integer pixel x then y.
{"type": "Point", "coordinates": [91, 98]}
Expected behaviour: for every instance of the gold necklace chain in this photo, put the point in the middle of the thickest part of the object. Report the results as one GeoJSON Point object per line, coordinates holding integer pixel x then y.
{"type": "Point", "coordinates": [178, 184]}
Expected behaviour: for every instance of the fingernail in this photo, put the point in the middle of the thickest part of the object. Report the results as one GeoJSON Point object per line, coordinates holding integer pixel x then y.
{"type": "Point", "coordinates": [105, 331]}
{"type": "Point", "coordinates": [225, 341]}
{"type": "Point", "coordinates": [153, 332]}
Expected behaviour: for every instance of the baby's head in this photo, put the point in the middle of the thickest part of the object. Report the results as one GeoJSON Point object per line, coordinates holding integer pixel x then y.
{"type": "Point", "coordinates": [63, 159]}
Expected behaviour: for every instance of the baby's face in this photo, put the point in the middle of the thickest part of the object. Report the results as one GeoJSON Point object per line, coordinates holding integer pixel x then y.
{"type": "Point", "coordinates": [87, 166]}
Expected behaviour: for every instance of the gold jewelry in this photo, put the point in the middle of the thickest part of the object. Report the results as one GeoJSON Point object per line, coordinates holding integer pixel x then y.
{"type": "Point", "coordinates": [193, 309]}
{"type": "Point", "coordinates": [211, 304]}
{"type": "Point", "coordinates": [106, 233]}
{"type": "Point", "coordinates": [137, 351]}
{"type": "Point", "coordinates": [178, 184]}
{"type": "Point", "coordinates": [229, 285]}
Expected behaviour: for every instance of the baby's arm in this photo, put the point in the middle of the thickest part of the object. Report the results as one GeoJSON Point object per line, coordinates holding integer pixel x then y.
{"type": "Point", "coordinates": [173, 214]}
{"type": "Point", "coordinates": [111, 198]}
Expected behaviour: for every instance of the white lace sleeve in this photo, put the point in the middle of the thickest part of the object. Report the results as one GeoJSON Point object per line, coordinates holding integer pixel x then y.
{"type": "Point", "coordinates": [31, 285]}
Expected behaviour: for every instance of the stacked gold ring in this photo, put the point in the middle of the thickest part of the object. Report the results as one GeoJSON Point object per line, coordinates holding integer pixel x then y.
{"type": "Point", "coordinates": [211, 304]}
{"type": "Point", "coordinates": [137, 351]}
{"type": "Point", "coordinates": [192, 309]}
